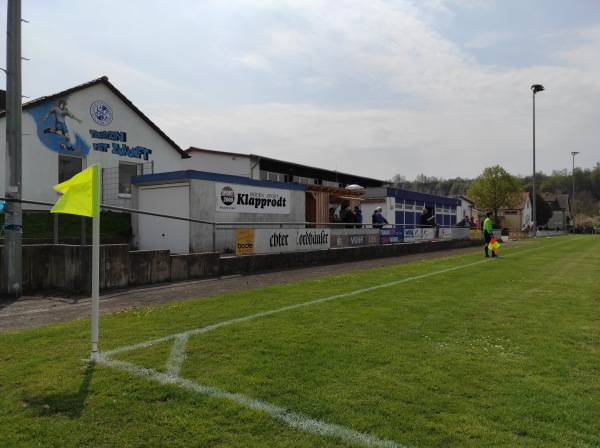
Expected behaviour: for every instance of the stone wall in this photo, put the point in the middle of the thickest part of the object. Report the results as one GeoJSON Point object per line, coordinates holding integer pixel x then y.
{"type": "Point", "coordinates": [68, 267]}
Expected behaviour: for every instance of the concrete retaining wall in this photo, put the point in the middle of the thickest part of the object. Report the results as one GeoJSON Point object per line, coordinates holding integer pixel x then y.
{"type": "Point", "coordinates": [68, 267]}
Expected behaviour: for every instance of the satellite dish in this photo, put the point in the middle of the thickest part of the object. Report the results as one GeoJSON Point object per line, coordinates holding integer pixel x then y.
{"type": "Point", "coordinates": [354, 187]}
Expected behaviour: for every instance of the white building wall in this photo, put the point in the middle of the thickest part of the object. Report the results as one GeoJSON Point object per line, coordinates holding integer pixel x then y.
{"type": "Point", "coordinates": [201, 197]}
{"type": "Point", "coordinates": [233, 164]}
{"type": "Point", "coordinates": [41, 150]}
{"type": "Point", "coordinates": [203, 204]}
{"type": "Point", "coordinates": [156, 232]}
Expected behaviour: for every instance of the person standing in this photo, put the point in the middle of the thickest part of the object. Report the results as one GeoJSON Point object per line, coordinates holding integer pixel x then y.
{"type": "Point", "coordinates": [349, 218]}
{"type": "Point", "coordinates": [424, 218]}
{"type": "Point", "coordinates": [379, 219]}
{"type": "Point", "coordinates": [358, 215]}
{"type": "Point", "coordinates": [487, 233]}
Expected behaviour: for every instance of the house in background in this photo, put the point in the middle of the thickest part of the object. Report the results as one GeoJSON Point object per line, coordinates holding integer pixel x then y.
{"type": "Point", "coordinates": [466, 208]}
{"type": "Point", "coordinates": [516, 218]}
{"type": "Point", "coordinates": [561, 212]}
{"type": "Point", "coordinates": [67, 132]}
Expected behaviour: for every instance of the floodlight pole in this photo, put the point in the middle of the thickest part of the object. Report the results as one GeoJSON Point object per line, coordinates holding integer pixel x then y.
{"type": "Point", "coordinates": [535, 88]}
{"type": "Point", "coordinates": [574, 153]}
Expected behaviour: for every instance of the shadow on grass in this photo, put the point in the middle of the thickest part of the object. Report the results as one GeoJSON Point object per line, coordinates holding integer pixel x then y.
{"type": "Point", "coordinates": [68, 404]}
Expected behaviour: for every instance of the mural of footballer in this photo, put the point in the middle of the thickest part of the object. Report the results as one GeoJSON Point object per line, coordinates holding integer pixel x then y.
{"type": "Point", "coordinates": [60, 113]}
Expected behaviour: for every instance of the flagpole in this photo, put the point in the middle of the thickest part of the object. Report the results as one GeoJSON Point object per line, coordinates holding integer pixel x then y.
{"type": "Point", "coordinates": [96, 193]}
{"type": "Point", "coordinates": [95, 286]}
{"type": "Point", "coordinates": [81, 196]}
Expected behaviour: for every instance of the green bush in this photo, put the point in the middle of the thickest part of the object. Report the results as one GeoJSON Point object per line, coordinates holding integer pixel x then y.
{"type": "Point", "coordinates": [41, 224]}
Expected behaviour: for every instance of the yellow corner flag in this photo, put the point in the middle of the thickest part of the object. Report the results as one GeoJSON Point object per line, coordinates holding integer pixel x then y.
{"type": "Point", "coordinates": [81, 194]}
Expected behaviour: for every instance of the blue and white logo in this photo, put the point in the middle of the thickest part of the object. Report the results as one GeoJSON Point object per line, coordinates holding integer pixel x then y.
{"type": "Point", "coordinates": [101, 113]}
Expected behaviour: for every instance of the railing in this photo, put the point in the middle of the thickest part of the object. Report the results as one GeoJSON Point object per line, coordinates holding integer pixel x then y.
{"type": "Point", "coordinates": [269, 237]}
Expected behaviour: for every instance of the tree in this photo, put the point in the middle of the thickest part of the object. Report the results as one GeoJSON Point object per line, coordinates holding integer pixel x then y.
{"type": "Point", "coordinates": [559, 182]}
{"type": "Point", "coordinates": [399, 180]}
{"type": "Point", "coordinates": [543, 210]}
{"type": "Point", "coordinates": [495, 189]}
{"type": "Point", "coordinates": [585, 204]}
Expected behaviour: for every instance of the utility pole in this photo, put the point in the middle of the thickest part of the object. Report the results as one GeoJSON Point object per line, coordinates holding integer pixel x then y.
{"type": "Point", "coordinates": [12, 269]}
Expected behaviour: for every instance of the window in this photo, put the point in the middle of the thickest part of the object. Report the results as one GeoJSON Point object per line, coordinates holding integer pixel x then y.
{"type": "Point", "coordinates": [126, 172]}
{"type": "Point", "coordinates": [277, 177]}
{"type": "Point", "coordinates": [68, 167]}
{"type": "Point", "coordinates": [304, 180]}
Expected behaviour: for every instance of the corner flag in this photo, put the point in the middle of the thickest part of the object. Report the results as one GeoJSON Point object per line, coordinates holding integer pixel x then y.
{"type": "Point", "coordinates": [81, 194]}
{"type": "Point", "coordinates": [494, 245]}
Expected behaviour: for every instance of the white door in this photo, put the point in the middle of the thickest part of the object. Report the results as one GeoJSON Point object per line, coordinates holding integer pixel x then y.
{"type": "Point", "coordinates": [165, 233]}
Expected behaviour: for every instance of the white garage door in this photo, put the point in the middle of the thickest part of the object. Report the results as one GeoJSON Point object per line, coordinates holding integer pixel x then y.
{"type": "Point", "coordinates": [164, 233]}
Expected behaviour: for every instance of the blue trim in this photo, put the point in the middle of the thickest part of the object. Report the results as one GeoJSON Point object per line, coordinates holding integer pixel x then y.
{"type": "Point", "coordinates": [421, 197]}
{"type": "Point", "coordinates": [214, 177]}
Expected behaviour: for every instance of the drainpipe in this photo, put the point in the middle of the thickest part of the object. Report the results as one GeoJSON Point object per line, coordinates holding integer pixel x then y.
{"type": "Point", "coordinates": [252, 169]}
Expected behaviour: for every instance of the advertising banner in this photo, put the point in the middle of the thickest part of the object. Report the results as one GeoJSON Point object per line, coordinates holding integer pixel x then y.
{"type": "Point", "coordinates": [290, 240]}
{"type": "Point", "coordinates": [391, 236]}
{"type": "Point", "coordinates": [235, 198]}
{"type": "Point", "coordinates": [244, 242]}
{"type": "Point", "coordinates": [339, 239]}
{"type": "Point", "coordinates": [446, 233]}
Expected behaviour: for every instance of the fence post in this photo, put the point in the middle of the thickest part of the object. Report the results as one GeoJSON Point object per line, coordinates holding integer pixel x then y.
{"type": "Point", "coordinates": [83, 229]}
{"type": "Point", "coordinates": [214, 232]}
{"type": "Point", "coordinates": [55, 228]}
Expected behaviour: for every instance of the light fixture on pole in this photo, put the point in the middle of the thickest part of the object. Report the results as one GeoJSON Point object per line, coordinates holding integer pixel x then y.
{"type": "Point", "coordinates": [573, 153]}
{"type": "Point", "coordinates": [535, 88]}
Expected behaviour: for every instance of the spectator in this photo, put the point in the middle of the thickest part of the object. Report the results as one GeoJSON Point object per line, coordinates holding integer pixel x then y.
{"type": "Point", "coordinates": [349, 218]}
{"type": "Point", "coordinates": [463, 223]}
{"type": "Point", "coordinates": [359, 216]}
{"type": "Point", "coordinates": [423, 219]}
{"type": "Point", "coordinates": [379, 219]}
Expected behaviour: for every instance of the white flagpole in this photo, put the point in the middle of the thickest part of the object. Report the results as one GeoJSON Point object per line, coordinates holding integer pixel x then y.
{"type": "Point", "coordinates": [95, 286]}
{"type": "Point", "coordinates": [96, 190]}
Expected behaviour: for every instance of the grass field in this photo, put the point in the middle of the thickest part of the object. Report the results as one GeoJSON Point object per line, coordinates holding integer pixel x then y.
{"type": "Point", "coordinates": [456, 352]}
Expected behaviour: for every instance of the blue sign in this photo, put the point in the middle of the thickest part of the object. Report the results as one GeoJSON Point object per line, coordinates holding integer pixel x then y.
{"type": "Point", "coordinates": [391, 236]}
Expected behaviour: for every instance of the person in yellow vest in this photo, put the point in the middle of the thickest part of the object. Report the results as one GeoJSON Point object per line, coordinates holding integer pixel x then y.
{"type": "Point", "coordinates": [487, 233]}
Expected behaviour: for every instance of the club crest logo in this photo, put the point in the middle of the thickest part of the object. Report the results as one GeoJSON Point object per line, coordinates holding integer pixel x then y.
{"type": "Point", "coordinates": [101, 113]}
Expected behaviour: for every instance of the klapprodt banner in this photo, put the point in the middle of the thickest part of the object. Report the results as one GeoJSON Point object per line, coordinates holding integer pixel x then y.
{"type": "Point", "coordinates": [236, 198]}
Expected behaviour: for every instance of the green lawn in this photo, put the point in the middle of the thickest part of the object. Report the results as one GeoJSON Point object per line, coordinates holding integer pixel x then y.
{"type": "Point", "coordinates": [456, 352]}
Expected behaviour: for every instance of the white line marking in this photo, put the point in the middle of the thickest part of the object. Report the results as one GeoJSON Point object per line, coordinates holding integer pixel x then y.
{"type": "Point", "coordinates": [177, 356]}
{"type": "Point", "coordinates": [290, 418]}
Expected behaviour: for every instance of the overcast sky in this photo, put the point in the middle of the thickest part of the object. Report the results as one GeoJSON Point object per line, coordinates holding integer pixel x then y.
{"type": "Point", "coordinates": [367, 87]}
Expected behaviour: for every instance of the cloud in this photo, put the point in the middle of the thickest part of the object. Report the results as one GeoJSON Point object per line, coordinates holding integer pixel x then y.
{"type": "Point", "coordinates": [375, 87]}
{"type": "Point", "coordinates": [488, 39]}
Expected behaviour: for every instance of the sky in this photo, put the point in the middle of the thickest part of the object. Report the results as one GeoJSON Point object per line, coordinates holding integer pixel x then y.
{"type": "Point", "coordinates": [375, 88]}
